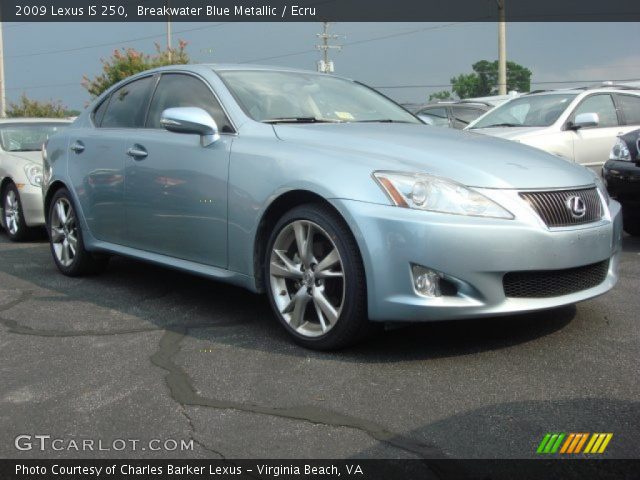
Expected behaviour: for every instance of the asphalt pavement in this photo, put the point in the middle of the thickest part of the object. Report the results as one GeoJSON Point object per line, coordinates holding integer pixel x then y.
{"type": "Point", "coordinates": [158, 356]}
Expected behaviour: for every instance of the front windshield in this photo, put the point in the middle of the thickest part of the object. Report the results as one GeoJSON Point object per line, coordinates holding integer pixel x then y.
{"type": "Point", "coordinates": [273, 97]}
{"type": "Point", "coordinates": [527, 111]}
{"type": "Point", "coordinates": [27, 137]}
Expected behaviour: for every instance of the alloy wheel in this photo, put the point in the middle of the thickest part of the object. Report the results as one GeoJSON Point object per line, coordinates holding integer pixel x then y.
{"type": "Point", "coordinates": [64, 232]}
{"type": "Point", "coordinates": [307, 278]}
{"type": "Point", "coordinates": [12, 212]}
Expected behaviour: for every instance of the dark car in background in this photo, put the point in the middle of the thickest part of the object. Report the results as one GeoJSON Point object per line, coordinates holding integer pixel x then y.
{"type": "Point", "coordinates": [622, 177]}
{"type": "Point", "coordinates": [452, 115]}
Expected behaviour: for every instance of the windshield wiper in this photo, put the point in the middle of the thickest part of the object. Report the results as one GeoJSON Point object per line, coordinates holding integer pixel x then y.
{"type": "Point", "coordinates": [382, 120]}
{"type": "Point", "coordinates": [500, 125]}
{"type": "Point", "coordinates": [300, 120]}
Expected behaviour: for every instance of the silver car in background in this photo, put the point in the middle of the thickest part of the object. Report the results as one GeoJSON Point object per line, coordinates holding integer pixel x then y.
{"type": "Point", "coordinates": [21, 141]}
{"type": "Point", "coordinates": [580, 125]}
{"type": "Point", "coordinates": [337, 203]}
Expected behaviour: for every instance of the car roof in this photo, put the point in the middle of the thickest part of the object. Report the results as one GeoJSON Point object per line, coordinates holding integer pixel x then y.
{"type": "Point", "coordinates": [578, 91]}
{"type": "Point", "coordinates": [456, 103]}
{"type": "Point", "coordinates": [222, 67]}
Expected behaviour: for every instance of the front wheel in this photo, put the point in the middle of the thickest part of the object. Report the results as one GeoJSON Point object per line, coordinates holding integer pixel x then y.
{"type": "Point", "coordinates": [13, 216]}
{"type": "Point", "coordinates": [315, 278]}
{"type": "Point", "coordinates": [65, 238]}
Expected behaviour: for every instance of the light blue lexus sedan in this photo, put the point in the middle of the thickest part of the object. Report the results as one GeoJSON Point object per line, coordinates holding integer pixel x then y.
{"type": "Point", "coordinates": [340, 205]}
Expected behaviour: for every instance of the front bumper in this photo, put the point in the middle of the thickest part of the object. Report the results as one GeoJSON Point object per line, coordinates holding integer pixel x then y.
{"type": "Point", "coordinates": [32, 205]}
{"type": "Point", "coordinates": [622, 180]}
{"type": "Point", "coordinates": [474, 253]}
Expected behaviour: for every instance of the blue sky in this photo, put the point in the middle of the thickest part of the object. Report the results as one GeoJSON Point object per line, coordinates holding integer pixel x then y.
{"type": "Point", "coordinates": [36, 60]}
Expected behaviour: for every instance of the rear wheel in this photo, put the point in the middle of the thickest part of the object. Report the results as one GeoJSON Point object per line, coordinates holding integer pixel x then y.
{"type": "Point", "coordinates": [315, 278]}
{"type": "Point", "coordinates": [13, 216]}
{"type": "Point", "coordinates": [65, 238]}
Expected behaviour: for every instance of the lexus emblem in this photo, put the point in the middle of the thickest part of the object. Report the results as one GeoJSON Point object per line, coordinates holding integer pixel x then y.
{"type": "Point", "coordinates": [576, 206]}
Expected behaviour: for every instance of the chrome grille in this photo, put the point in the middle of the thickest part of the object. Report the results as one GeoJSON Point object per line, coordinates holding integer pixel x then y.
{"type": "Point", "coordinates": [554, 283]}
{"type": "Point", "coordinates": [552, 207]}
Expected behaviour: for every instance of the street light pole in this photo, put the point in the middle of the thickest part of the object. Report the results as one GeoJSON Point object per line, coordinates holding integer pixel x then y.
{"type": "Point", "coordinates": [169, 32]}
{"type": "Point", "coordinates": [502, 49]}
{"type": "Point", "coordinates": [3, 98]}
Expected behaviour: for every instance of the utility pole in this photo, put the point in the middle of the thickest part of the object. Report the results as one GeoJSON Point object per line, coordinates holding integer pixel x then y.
{"type": "Point", "coordinates": [3, 98]}
{"type": "Point", "coordinates": [502, 49]}
{"type": "Point", "coordinates": [169, 31]}
{"type": "Point", "coordinates": [325, 65]}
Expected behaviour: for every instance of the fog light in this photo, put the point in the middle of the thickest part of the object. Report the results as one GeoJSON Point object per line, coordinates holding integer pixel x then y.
{"type": "Point", "coordinates": [425, 281]}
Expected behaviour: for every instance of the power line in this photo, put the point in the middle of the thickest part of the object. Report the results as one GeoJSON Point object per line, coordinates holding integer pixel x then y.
{"type": "Point", "coordinates": [358, 42]}
{"type": "Point", "coordinates": [120, 42]}
{"type": "Point", "coordinates": [76, 84]}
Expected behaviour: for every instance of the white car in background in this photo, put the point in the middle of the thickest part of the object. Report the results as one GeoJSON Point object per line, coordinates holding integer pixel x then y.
{"type": "Point", "coordinates": [21, 141]}
{"type": "Point", "coordinates": [579, 125]}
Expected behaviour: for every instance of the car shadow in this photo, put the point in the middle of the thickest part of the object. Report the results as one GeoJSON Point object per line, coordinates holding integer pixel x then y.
{"type": "Point", "coordinates": [514, 430]}
{"type": "Point", "coordinates": [630, 244]}
{"type": "Point", "coordinates": [173, 300]}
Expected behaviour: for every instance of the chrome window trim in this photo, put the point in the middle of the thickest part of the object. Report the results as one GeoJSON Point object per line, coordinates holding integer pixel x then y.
{"type": "Point", "coordinates": [208, 85]}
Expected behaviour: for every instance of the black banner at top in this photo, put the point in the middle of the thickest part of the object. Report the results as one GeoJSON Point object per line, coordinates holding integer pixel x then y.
{"type": "Point", "coordinates": [320, 10]}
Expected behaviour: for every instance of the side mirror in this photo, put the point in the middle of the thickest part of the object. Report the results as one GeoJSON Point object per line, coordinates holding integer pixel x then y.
{"type": "Point", "coordinates": [191, 120]}
{"type": "Point", "coordinates": [585, 120]}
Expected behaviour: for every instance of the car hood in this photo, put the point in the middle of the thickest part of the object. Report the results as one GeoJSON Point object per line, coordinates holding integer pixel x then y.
{"type": "Point", "coordinates": [468, 158]}
{"type": "Point", "coordinates": [511, 133]}
{"type": "Point", "coordinates": [31, 157]}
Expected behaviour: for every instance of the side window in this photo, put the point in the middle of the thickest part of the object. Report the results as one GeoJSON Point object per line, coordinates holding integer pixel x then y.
{"type": "Point", "coordinates": [630, 105]}
{"type": "Point", "coordinates": [180, 90]}
{"type": "Point", "coordinates": [437, 116]}
{"type": "Point", "coordinates": [602, 104]}
{"type": "Point", "coordinates": [98, 113]}
{"type": "Point", "coordinates": [128, 105]}
{"type": "Point", "coordinates": [466, 115]}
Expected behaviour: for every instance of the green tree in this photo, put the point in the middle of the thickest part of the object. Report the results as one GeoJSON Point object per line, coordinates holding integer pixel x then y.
{"type": "Point", "coordinates": [484, 79]}
{"type": "Point", "coordinates": [441, 95]}
{"type": "Point", "coordinates": [126, 62]}
{"type": "Point", "coordinates": [26, 107]}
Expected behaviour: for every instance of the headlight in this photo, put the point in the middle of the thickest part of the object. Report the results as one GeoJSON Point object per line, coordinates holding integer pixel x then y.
{"type": "Point", "coordinates": [34, 174]}
{"type": "Point", "coordinates": [620, 151]}
{"type": "Point", "coordinates": [426, 192]}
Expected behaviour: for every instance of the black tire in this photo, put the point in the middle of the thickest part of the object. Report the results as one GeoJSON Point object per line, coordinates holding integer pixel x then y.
{"type": "Point", "coordinates": [630, 223]}
{"type": "Point", "coordinates": [352, 324]}
{"type": "Point", "coordinates": [83, 261]}
{"type": "Point", "coordinates": [19, 231]}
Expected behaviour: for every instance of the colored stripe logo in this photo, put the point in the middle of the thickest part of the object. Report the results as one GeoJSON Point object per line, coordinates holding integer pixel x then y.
{"type": "Point", "coordinates": [573, 443]}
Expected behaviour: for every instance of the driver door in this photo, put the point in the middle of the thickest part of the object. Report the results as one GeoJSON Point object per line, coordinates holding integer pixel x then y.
{"type": "Point", "coordinates": [591, 145]}
{"type": "Point", "coordinates": [176, 191]}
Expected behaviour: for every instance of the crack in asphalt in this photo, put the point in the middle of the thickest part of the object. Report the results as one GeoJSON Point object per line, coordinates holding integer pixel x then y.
{"type": "Point", "coordinates": [182, 391]}
{"type": "Point", "coordinates": [15, 327]}
{"type": "Point", "coordinates": [192, 434]}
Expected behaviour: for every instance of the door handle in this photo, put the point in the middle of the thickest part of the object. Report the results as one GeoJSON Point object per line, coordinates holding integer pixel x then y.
{"type": "Point", "coordinates": [137, 152]}
{"type": "Point", "coordinates": [77, 147]}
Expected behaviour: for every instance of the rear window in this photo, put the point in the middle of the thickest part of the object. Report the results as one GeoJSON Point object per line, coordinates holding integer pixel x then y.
{"type": "Point", "coordinates": [630, 105]}
{"type": "Point", "coordinates": [128, 104]}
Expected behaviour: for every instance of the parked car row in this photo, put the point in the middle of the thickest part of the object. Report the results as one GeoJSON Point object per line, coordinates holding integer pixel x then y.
{"type": "Point", "coordinates": [21, 143]}
{"type": "Point", "coordinates": [341, 206]}
{"type": "Point", "coordinates": [460, 113]}
{"type": "Point", "coordinates": [622, 177]}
